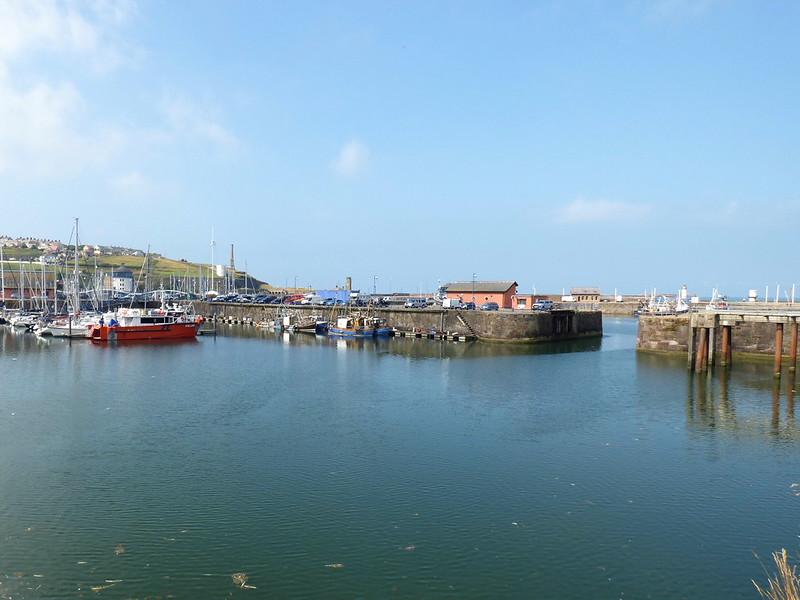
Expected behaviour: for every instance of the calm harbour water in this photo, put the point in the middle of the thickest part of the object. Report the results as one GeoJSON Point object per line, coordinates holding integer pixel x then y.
{"type": "Point", "coordinates": [425, 469]}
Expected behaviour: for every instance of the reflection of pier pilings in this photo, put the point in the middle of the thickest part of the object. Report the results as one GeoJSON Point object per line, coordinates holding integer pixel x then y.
{"type": "Point", "coordinates": [776, 408]}
{"type": "Point", "coordinates": [711, 405]}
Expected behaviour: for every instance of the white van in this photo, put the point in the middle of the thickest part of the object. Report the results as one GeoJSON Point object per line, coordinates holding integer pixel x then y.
{"type": "Point", "coordinates": [452, 303]}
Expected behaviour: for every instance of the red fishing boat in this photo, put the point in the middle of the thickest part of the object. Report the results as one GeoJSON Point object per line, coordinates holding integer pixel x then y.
{"type": "Point", "coordinates": [129, 324]}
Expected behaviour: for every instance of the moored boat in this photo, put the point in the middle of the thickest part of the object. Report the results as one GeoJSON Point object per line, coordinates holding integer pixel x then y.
{"type": "Point", "coordinates": [352, 326]}
{"type": "Point", "coordinates": [309, 324]}
{"type": "Point", "coordinates": [381, 328]}
{"type": "Point", "coordinates": [62, 327]}
{"type": "Point", "coordinates": [129, 324]}
{"type": "Point", "coordinates": [24, 321]}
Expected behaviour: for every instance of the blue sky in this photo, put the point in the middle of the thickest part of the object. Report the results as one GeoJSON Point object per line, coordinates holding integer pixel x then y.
{"type": "Point", "coordinates": [621, 144]}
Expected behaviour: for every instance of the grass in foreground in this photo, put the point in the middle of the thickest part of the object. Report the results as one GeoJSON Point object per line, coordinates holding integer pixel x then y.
{"type": "Point", "coordinates": [783, 585]}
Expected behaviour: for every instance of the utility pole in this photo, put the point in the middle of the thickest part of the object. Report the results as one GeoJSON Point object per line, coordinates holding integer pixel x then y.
{"type": "Point", "coordinates": [474, 275]}
{"type": "Point", "coordinates": [374, 285]}
{"type": "Point", "coordinates": [232, 275]}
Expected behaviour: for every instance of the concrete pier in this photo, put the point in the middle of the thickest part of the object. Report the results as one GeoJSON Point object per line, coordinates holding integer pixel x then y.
{"type": "Point", "coordinates": [714, 336]}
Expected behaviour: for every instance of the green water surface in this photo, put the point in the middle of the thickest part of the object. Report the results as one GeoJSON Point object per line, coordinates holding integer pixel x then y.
{"type": "Point", "coordinates": [417, 468]}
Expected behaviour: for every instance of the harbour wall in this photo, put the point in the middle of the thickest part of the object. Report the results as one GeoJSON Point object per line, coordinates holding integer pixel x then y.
{"type": "Point", "coordinates": [619, 309]}
{"type": "Point", "coordinates": [500, 326]}
{"type": "Point", "coordinates": [671, 333]}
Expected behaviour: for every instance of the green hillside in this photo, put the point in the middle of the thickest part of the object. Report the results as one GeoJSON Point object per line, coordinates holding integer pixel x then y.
{"type": "Point", "coordinates": [160, 268]}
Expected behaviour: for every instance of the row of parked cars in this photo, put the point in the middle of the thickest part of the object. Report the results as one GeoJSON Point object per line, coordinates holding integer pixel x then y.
{"type": "Point", "coordinates": [289, 299]}
{"type": "Point", "coordinates": [449, 303]}
{"type": "Point", "coordinates": [539, 305]}
{"type": "Point", "coordinates": [416, 303]}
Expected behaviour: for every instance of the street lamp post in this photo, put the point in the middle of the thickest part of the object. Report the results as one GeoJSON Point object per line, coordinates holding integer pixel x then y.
{"type": "Point", "coordinates": [374, 285]}
{"type": "Point", "coordinates": [474, 275]}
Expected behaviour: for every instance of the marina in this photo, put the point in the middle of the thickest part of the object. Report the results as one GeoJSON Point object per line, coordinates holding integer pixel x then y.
{"type": "Point", "coordinates": [421, 467]}
{"type": "Point", "coordinates": [222, 376]}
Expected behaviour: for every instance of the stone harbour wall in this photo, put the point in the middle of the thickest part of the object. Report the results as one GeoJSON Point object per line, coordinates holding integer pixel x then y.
{"type": "Point", "coordinates": [671, 334]}
{"type": "Point", "coordinates": [500, 326]}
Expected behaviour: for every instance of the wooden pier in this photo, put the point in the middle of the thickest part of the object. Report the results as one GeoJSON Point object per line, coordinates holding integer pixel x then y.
{"type": "Point", "coordinates": [704, 326]}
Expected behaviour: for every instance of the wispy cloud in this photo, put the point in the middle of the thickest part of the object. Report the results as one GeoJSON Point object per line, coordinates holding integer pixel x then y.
{"type": "Point", "coordinates": [45, 129]}
{"type": "Point", "coordinates": [352, 159]}
{"type": "Point", "coordinates": [583, 210]}
{"type": "Point", "coordinates": [87, 29]}
{"type": "Point", "coordinates": [48, 126]}
{"type": "Point", "coordinates": [187, 118]}
{"type": "Point", "coordinates": [133, 182]}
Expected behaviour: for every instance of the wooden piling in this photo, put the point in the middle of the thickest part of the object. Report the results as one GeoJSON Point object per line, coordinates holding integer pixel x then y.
{"type": "Point", "coordinates": [726, 344]}
{"type": "Point", "coordinates": [793, 346]}
{"type": "Point", "coordinates": [778, 348]}
{"type": "Point", "coordinates": [701, 351]}
{"type": "Point", "coordinates": [712, 344]}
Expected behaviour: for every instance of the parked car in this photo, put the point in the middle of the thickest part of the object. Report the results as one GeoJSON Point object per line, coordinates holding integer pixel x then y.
{"type": "Point", "coordinates": [469, 306]}
{"type": "Point", "coordinates": [490, 306]}
{"type": "Point", "coordinates": [452, 303]}
{"type": "Point", "coordinates": [416, 303]}
{"type": "Point", "coordinates": [543, 305]}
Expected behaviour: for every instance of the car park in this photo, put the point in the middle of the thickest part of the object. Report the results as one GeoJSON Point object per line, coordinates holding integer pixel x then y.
{"type": "Point", "coordinates": [416, 303]}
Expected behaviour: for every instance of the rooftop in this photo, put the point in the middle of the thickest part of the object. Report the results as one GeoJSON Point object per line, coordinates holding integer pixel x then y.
{"type": "Point", "coordinates": [497, 287]}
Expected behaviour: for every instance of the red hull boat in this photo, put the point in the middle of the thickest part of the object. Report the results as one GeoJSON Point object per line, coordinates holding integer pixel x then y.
{"type": "Point", "coordinates": [138, 324]}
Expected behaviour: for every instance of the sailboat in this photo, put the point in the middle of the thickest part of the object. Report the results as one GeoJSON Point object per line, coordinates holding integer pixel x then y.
{"type": "Point", "coordinates": [75, 324]}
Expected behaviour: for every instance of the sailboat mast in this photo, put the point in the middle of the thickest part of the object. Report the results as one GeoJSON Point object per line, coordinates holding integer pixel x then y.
{"type": "Point", "coordinates": [75, 277]}
{"type": "Point", "coordinates": [2, 274]}
{"type": "Point", "coordinates": [44, 287]}
{"type": "Point", "coordinates": [21, 287]}
{"type": "Point", "coordinates": [213, 244]}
